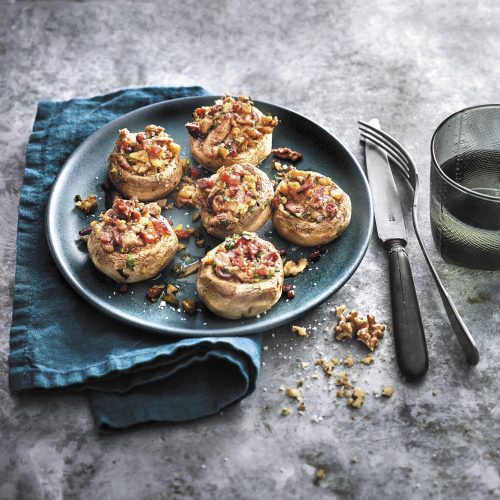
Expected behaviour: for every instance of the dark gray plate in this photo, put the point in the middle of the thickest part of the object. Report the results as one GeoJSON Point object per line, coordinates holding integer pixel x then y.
{"type": "Point", "coordinates": [87, 168]}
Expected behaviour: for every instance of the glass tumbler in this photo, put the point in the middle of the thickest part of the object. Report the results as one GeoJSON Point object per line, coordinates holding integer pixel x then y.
{"type": "Point", "coordinates": [465, 188]}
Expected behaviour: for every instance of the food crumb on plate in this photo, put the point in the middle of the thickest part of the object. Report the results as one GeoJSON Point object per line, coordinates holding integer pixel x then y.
{"type": "Point", "coordinates": [388, 391]}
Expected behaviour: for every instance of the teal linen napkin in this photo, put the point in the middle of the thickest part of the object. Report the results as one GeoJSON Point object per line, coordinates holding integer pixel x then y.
{"type": "Point", "coordinates": [59, 341]}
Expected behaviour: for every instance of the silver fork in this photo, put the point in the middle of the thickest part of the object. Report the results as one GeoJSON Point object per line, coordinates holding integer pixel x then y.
{"type": "Point", "coordinates": [403, 161]}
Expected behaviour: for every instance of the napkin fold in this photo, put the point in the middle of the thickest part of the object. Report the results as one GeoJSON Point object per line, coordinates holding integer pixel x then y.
{"type": "Point", "coordinates": [60, 342]}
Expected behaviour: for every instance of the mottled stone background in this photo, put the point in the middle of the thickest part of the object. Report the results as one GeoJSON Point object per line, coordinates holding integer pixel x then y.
{"type": "Point", "coordinates": [408, 63]}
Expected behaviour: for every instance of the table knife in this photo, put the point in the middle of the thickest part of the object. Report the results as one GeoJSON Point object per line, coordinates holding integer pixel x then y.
{"type": "Point", "coordinates": [408, 331]}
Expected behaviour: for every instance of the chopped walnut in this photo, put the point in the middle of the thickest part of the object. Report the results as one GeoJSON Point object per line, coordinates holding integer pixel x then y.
{"type": "Point", "coordinates": [339, 311]}
{"type": "Point", "coordinates": [184, 196]}
{"type": "Point", "coordinates": [343, 330]}
{"type": "Point", "coordinates": [328, 365]}
{"type": "Point", "coordinates": [300, 383]}
{"type": "Point", "coordinates": [302, 406]}
{"type": "Point", "coordinates": [304, 365]}
{"type": "Point", "coordinates": [293, 393]}
{"type": "Point", "coordinates": [172, 289]}
{"type": "Point", "coordinates": [183, 234]}
{"type": "Point", "coordinates": [341, 393]}
{"type": "Point", "coordinates": [287, 154]}
{"type": "Point", "coordinates": [357, 398]}
{"type": "Point", "coordinates": [320, 474]}
{"type": "Point", "coordinates": [370, 334]}
{"type": "Point", "coordinates": [388, 391]}
{"type": "Point", "coordinates": [368, 360]}
{"type": "Point", "coordinates": [189, 306]}
{"type": "Point", "coordinates": [278, 166]}
{"type": "Point", "coordinates": [300, 331]}
{"type": "Point", "coordinates": [343, 381]}
{"type": "Point", "coordinates": [86, 205]}
{"type": "Point", "coordinates": [170, 299]}
{"type": "Point", "coordinates": [367, 330]}
{"type": "Point", "coordinates": [294, 267]}
{"type": "Point", "coordinates": [286, 411]}
{"type": "Point", "coordinates": [349, 362]}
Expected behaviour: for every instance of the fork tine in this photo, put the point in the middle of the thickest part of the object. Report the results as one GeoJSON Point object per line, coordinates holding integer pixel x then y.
{"type": "Point", "coordinates": [396, 145]}
{"type": "Point", "coordinates": [381, 141]}
{"type": "Point", "coordinates": [396, 159]}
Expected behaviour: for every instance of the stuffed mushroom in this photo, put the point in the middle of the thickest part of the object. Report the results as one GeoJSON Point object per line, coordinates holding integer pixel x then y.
{"type": "Point", "coordinates": [145, 165]}
{"type": "Point", "coordinates": [231, 131]}
{"type": "Point", "coordinates": [236, 198]}
{"type": "Point", "coordinates": [240, 278]}
{"type": "Point", "coordinates": [131, 241]}
{"type": "Point", "coordinates": [309, 209]}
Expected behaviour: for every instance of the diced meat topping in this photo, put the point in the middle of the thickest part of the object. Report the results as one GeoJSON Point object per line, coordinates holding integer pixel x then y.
{"type": "Point", "coordinates": [245, 258]}
{"type": "Point", "coordinates": [230, 193]}
{"type": "Point", "coordinates": [145, 153]}
{"type": "Point", "coordinates": [308, 196]}
{"type": "Point", "coordinates": [130, 224]}
{"type": "Point", "coordinates": [230, 126]}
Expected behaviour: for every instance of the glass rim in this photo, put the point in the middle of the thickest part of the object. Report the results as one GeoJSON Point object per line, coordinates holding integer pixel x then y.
{"type": "Point", "coordinates": [448, 179]}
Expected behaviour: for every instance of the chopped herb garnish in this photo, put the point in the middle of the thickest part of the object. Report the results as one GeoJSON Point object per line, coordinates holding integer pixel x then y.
{"type": "Point", "coordinates": [130, 262]}
{"type": "Point", "coordinates": [229, 243]}
{"type": "Point", "coordinates": [224, 222]}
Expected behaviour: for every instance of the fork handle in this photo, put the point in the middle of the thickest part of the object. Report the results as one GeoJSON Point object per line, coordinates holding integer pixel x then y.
{"type": "Point", "coordinates": [409, 336]}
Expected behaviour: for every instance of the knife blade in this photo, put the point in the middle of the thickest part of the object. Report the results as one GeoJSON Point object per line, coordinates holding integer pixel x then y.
{"type": "Point", "coordinates": [386, 205]}
{"type": "Point", "coordinates": [408, 330]}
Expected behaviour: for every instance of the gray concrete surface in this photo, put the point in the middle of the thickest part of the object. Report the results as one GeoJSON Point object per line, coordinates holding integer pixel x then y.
{"type": "Point", "coordinates": [408, 63]}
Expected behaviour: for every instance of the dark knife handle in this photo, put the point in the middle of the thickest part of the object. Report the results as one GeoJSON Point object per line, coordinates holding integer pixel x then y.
{"type": "Point", "coordinates": [409, 336]}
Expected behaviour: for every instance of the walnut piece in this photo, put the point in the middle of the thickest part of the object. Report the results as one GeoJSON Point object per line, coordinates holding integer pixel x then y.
{"type": "Point", "coordinates": [320, 474]}
{"type": "Point", "coordinates": [279, 167]}
{"type": "Point", "coordinates": [287, 154]}
{"type": "Point", "coordinates": [388, 391]}
{"type": "Point", "coordinates": [189, 306]}
{"type": "Point", "coordinates": [368, 360]}
{"type": "Point", "coordinates": [349, 362]}
{"type": "Point", "coordinates": [86, 205]}
{"type": "Point", "coordinates": [343, 380]}
{"type": "Point", "coordinates": [286, 411]}
{"type": "Point", "coordinates": [357, 398]}
{"type": "Point", "coordinates": [302, 406]}
{"type": "Point", "coordinates": [339, 311]}
{"type": "Point", "coordinates": [184, 195]}
{"type": "Point", "coordinates": [299, 330]}
{"type": "Point", "coordinates": [328, 365]}
{"type": "Point", "coordinates": [293, 393]}
{"type": "Point", "coordinates": [294, 267]}
{"type": "Point", "coordinates": [367, 330]}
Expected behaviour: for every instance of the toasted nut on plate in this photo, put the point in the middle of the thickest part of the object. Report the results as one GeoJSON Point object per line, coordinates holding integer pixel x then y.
{"type": "Point", "coordinates": [294, 267]}
{"type": "Point", "coordinates": [299, 330]}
